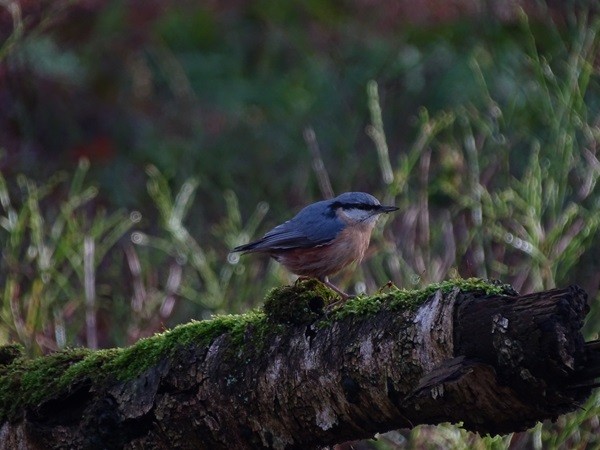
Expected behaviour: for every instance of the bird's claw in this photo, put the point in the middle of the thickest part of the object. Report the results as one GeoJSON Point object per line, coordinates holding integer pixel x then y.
{"type": "Point", "coordinates": [338, 303]}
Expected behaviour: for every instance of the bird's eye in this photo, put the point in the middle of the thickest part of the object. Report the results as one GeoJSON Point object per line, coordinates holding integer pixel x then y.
{"type": "Point", "coordinates": [365, 207]}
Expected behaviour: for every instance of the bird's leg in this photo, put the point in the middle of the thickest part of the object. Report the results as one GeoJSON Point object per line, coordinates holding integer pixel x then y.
{"type": "Point", "coordinates": [329, 284]}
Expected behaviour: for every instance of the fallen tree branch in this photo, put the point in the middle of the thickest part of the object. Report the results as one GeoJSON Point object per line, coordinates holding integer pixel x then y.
{"type": "Point", "coordinates": [296, 377]}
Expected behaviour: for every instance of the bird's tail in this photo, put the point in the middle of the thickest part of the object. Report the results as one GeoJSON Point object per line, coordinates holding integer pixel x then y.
{"type": "Point", "coordinates": [246, 248]}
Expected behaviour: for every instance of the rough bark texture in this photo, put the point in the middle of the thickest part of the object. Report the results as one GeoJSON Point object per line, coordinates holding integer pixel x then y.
{"type": "Point", "coordinates": [498, 363]}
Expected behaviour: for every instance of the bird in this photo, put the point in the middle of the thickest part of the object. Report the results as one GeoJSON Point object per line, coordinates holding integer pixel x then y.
{"type": "Point", "coordinates": [324, 237]}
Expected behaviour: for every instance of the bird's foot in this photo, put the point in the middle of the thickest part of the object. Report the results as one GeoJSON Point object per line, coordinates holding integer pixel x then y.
{"type": "Point", "coordinates": [344, 296]}
{"type": "Point", "coordinates": [335, 305]}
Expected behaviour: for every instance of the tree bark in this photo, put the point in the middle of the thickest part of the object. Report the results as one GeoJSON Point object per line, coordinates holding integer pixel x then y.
{"type": "Point", "coordinates": [300, 377]}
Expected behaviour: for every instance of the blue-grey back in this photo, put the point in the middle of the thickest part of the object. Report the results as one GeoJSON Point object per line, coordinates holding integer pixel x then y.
{"type": "Point", "coordinates": [316, 224]}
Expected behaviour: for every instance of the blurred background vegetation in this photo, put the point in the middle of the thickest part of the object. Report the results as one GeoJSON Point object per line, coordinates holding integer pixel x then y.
{"type": "Point", "coordinates": [141, 140]}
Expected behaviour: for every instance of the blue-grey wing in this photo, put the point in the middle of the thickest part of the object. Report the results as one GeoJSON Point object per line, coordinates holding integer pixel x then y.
{"type": "Point", "coordinates": [314, 225]}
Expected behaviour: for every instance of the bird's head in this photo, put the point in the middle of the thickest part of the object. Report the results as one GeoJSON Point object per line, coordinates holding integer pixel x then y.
{"type": "Point", "coordinates": [358, 207]}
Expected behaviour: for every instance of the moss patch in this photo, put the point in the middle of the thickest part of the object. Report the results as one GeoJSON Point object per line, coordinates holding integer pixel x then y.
{"type": "Point", "coordinates": [407, 299]}
{"type": "Point", "coordinates": [27, 382]}
{"type": "Point", "coordinates": [8, 353]}
{"type": "Point", "coordinates": [304, 300]}
{"type": "Point", "coordinates": [133, 360]}
{"type": "Point", "coordinates": [403, 298]}
{"type": "Point", "coordinates": [299, 303]}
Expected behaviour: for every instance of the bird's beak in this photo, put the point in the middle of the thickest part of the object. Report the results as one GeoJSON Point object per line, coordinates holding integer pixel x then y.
{"type": "Point", "coordinates": [387, 209]}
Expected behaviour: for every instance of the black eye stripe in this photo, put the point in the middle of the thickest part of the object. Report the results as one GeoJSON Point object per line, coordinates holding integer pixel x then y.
{"type": "Point", "coordinates": [363, 206]}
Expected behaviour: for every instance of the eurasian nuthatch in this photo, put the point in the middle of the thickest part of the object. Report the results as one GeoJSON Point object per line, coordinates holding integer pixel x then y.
{"type": "Point", "coordinates": [324, 237]}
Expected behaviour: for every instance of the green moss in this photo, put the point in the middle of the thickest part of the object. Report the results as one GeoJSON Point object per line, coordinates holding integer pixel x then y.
{"type": "Point", "coordinates": [299, 303]}
{"type": "Point", "coordinates": [407, 299]}
{"type": "Point", "coordinates": [133, 360]}
{"type": "Point", "coordinates": [304, 300]}
{"type": "Point", "coordinates": [8, 353]}
{"type": "Point", "coordinates": [26, 382]}
{"type": "Point", "coordinates": [93, 367]}
{"type": "Point", "coordinates": [402, 298]}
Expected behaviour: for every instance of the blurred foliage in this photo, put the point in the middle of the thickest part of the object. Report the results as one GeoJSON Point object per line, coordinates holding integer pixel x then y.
{"type": "Point", "coordinates": [52, 247]}
{"type": "Point", "coordinates": [481, 120]}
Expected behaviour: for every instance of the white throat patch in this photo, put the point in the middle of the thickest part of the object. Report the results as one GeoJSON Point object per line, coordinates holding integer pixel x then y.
{"type": "Point", "coordinates": [359, 215]}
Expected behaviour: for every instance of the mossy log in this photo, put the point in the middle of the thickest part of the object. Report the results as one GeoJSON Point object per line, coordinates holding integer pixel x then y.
{"type": "Point", "coordinates": [297, 376]}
